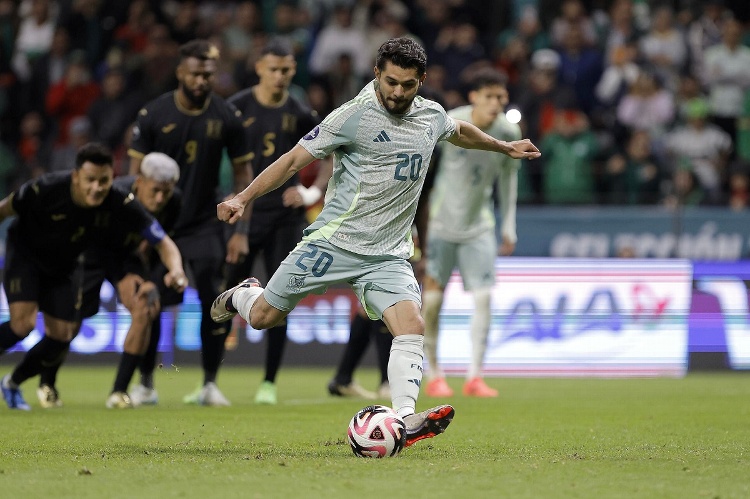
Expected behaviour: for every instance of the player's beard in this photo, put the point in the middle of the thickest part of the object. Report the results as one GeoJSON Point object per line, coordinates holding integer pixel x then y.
{"type": "Point", "coordinates": [399, 107]}
{"type": "Point", "coordinates": [198, 100]}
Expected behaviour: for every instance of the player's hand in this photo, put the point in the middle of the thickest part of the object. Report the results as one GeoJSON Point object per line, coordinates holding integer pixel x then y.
{"type": "Point", "coordinates": [176, 280]}
{"type": "Point", "coordinates": [506, 247]}
{"type": "Point", "coordinates": [237, 248]}
{"type": "Point", "coordinates": [292, 197]}
{"type": "Point", "coordinates": [523, 149]}
{"type": "Point", "coordinates": [230, 211]}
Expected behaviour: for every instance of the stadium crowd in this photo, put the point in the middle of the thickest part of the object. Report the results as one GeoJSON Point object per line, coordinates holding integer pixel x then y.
{"type": "Point", "coordinates": [631, 101]}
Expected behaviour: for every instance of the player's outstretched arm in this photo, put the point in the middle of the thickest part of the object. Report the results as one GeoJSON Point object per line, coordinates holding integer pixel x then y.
{"type": "Point", "coordinates": [469, 136]}
{"type": "Point", "coordinates": [271, 178]}
{"type": "Point", "coordinates": [172, 259]}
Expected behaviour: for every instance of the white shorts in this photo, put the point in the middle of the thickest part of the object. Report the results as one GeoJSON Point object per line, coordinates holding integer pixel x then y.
{"type": "Point", "coordinates": [475, 260]}
{"type": "Point", "coordinates": [378, 281]}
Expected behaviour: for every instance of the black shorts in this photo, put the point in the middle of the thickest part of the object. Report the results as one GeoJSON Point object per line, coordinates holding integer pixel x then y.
{"type": "Point", "coordinates": [59, 295]}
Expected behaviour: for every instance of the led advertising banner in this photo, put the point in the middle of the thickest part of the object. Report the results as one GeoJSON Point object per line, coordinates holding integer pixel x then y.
{"type": "Point", "coordinates": [554, 317]}
{"type": "Point", "coordinates": [550, 317]}
{"type": "Point", "coordinates": [719, 314]}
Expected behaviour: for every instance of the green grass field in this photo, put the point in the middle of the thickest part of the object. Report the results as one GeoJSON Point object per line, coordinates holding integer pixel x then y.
{"type": "Point", "coordinates": [543, 438]}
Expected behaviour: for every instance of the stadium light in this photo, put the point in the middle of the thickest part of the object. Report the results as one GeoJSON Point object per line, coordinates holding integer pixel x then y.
{"type": "Point", "coordinates": [513, 115]}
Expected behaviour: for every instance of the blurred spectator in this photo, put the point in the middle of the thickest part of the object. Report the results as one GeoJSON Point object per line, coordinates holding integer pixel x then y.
{"type": "Point", "coordinates": [341, 37]}
{"type": "Point", "coordinates": [647, 106]}
{"type": "Point", "coordinates": [739, 186]}
{"type": "Point", "coordinates": [457, 48]}
{"type": "Point", "coordinates": [705, 32]}
{"type": "Point", "coordinates": [701, 147]}
{"type": "Point", "coordinates": [663, 47]}
{"type": "Point", "coordinates": [343, 82]}
{"type": "Point", "coordinates": [116, 108]}
{"type": "Point", "coordinates": [569, 151]}
{"type": "Point", "coordinates": [34, 38]}
{"type": "Point", "coordinates": [619, 31]}
{"type": "Point", "coordinates": [573, 15]}
{"type": "Point", "coordinates": [155, 73]}
{"type": "Point", "coordinates": [238, 36]}
{"type": "Point", "coordinates": [429, 19]}
{"type": "Point", "coordinates": [684, 189]}
{"type": "Point", "coordinates": [47, 70]}
{"type": "Point", "coordinates": [64, 155]}
{"type": "Point", "coordinates": [290, 25]}
{"type": "Point", "coordinates": [319, 99]}
{"type": "Point", "coordinates": [512, 59]}
{"type": "Point", "coordinates": [133, 35]}
{"type": "Point", "coordinates": [72, 96]}
{"type": "Point", "coordinates": [634, 175]}
{"type": "Point", "coordinates": [540, 98]}
{"type": "Point", "coordinates": [185, 22]}
{"type": "Point", "coordinates": [621, 73]}
{"type": "Point", "coordinates": [581, 67]}
{"type": "Point", "coordinates": [89, 30]}
{"type": "Point", "coordinates": [33, 146]}
{"type": "Point", "coordinates": [727, 76]}
{"type": "Point", "coordinates": [528, 28]}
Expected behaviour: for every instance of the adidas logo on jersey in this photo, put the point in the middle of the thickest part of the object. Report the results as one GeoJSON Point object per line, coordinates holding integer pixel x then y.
{"type": "Point", "coordinates": [382, 137]}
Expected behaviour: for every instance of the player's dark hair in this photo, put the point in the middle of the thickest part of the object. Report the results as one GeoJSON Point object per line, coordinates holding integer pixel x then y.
{"type": "Point", "coordinates": [278, 47]}
{"type": "Point", "coordinates": [199, 49]}
{"type": "Point", "coordinates": [404, 53]}
{"type": "Point", "coordinates": [93, 152]}
{"type": "Point", "coordinates": [487, 77]}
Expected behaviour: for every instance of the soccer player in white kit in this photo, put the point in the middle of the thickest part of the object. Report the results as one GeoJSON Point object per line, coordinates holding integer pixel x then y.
{"type": "Point", "coordinates": [382, 141]}
{"type": "Point", "coordinates": [461, 227]}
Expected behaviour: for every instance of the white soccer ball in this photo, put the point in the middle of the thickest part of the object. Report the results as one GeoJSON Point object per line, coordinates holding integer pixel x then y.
{"type": "Point", "coordinates": [377, 431]}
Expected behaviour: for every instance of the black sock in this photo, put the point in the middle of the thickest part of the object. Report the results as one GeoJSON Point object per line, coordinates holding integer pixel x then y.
{"type": "Point", "coordinates": [275, 351]}
{"type": "Point", "coordinates": [128, 364]}
{"type": "Point", "coordinates": [383, 340]}
{"type": "Point", "coordinates": [148, 359]}
{"type": "Point", "coordinates": [48, 376]}
{"type": "Point", "coordinates": [46, 353]}
{"type": "Point", "coordinates": [7, 337]}
{"type": "Point", "coordinates": [212, 352]}
{"type": "Point", "coordinates": [359, 338]}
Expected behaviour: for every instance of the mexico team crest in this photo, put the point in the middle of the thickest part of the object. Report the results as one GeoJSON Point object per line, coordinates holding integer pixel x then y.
{"type": "Point", "coordinates": [295, 284]}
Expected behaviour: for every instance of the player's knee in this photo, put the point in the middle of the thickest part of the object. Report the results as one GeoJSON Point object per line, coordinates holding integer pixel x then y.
{"type": "Point", "coordinates": [23, 325]}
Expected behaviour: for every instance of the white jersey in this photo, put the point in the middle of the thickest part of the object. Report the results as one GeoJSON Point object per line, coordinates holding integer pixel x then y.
{"type": "Point", "coordinates": [461, 205]}
{"type": "Point", "coordinates": [380, 163]}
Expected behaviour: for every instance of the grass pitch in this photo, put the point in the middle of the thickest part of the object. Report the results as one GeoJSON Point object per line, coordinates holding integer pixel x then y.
{"type": "Point", "coordinates": [543, 438]}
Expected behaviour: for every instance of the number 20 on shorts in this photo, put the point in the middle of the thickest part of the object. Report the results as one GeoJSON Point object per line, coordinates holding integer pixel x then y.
{"type": "Point", "coordinates": [320, 265]}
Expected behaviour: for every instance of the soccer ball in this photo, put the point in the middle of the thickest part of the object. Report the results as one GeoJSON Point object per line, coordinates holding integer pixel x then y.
{"type": "Point", "coordinates": [377, 431]}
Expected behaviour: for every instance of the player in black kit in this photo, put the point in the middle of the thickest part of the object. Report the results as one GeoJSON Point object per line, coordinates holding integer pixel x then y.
{"type": "Point", "coordinates": [58, 216]}
{"type": "Point", "coordinates": [194, 126]}
{"type": "Point", "coordinates": [277, 121]}
{"type": "Point", "coordinates": [135, 270]}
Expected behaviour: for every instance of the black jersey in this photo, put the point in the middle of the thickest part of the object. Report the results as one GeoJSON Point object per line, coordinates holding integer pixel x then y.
{"type": "Point", "coordinates": [196, 140]}
{"type": "Point", "coordinates": [55, 231]}
{"type": "Point", "coordinates": [121, 241]}
{"type": "Point", "coordinates": [273, 132]}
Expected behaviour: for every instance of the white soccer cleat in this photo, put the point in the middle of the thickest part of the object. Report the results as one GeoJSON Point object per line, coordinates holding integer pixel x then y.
{"type": "Point", "coordinates": [48, 397]}
{"type": "Point", "coordinates": [222, 308]}
{"type": "Point", "coordinates": [212, 396]}
{"type": "Point", "coordinates": [119, 400]}
{"type": "Point", "coordinates": [142, 395]}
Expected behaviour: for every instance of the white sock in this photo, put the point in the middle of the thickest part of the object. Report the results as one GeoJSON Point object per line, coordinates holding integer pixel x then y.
{"type": "Point", "coordinates": [405, 372]}
{"type": "Point", "coordinates": [432, 302]}
{"type": "Point", "coordinates": [244, 298]}
{"type": "Point", "coordinates": [480, 328]}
